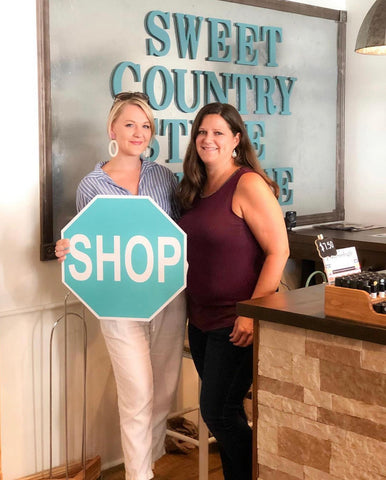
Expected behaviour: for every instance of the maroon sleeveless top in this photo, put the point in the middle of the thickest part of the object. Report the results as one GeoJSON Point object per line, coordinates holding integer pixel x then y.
{"type": "Point", "coordinates": [224, 258]}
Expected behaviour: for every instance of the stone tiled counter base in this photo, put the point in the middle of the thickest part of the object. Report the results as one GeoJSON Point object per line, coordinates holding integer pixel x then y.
{"type": "Point", "coordinates": [321, 406]}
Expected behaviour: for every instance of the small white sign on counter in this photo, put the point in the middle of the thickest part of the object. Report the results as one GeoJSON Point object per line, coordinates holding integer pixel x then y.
{"type": "Point", "coordinates": [345, 262]}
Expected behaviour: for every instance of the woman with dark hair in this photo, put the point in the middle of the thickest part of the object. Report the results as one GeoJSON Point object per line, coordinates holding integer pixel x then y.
{"type": "Point", "coordinates": [237, 249]}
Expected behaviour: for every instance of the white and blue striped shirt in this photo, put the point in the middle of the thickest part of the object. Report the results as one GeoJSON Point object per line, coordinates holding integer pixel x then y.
{"type": "Point", "coordinates": [155, 181]}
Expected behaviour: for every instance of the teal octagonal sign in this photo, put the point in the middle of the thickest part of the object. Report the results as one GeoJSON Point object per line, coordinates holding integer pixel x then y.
{"type": "Point", "coordinates": [127, 257]}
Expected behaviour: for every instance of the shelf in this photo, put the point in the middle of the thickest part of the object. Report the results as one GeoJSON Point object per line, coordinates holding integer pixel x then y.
{"type": "Point", "coordinates": [352, 304]}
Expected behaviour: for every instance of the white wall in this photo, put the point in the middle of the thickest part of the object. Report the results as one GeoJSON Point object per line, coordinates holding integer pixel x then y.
{"type": "Point", "coordinates": [365, 127]}
{"type": "Point", "coordinates": [29, 289]}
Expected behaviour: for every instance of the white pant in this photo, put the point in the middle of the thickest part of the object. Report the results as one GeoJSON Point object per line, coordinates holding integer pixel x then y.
{"type": "Point", "coordinates": [146, 359]}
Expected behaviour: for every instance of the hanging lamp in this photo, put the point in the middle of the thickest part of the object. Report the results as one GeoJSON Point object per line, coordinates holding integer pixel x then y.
{"type": "Point", "coordinates": [371, 38]}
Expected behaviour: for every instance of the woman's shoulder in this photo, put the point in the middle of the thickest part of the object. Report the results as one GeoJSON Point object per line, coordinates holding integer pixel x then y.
{"type": "Point", "coordinates": [150, 165]}
{"type": "Point", "coordinates": [93, 178]}
{"type": "Point", "coordinates": [154, 168]}
{"type": "Point", "coordinates": [248, 175]}
{"type": "Point", "coordinates": [252, 183]}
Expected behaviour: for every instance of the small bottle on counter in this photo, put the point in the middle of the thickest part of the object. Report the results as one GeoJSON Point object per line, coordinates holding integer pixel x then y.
{"type": "Point", "coordinates": [374, 289]}
{"type": "Point", "coordinates": [366, 286]}
{"type": "Point", "coordinates": [371, 282]}
{"type": "Point", "coordinates": [381, 288]}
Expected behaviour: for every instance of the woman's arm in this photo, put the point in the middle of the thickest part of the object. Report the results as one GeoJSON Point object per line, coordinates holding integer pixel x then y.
{"type": "Point", "coordinates": [256, 204]}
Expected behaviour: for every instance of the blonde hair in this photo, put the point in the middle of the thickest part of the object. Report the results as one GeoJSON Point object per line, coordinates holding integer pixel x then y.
{"type": "Point", "coordinates": [122, 99]}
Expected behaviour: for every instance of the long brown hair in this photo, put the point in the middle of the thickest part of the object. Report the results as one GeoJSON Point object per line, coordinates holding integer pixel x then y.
{"type": "Point", "coordinates": [194, 169]}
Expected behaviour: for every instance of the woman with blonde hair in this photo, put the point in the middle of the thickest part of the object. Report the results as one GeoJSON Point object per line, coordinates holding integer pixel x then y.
{"type": "Point", "coordinates": [145, 356]}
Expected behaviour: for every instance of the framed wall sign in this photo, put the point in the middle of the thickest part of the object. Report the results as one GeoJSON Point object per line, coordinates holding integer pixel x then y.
{"type": "Point", "coordinates": [280, 63]}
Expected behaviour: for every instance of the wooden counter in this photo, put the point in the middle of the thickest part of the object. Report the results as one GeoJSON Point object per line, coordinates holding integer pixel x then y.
{"type": "Point", "coordinates": [370, 245]}
{"type": "Point", "coordinates": [304, 308]}
{"type": "Point", "coordinates": [319, 390]}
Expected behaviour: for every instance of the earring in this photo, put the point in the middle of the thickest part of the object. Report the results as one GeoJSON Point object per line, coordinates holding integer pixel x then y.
{"type": "Point", "coordinates": [147, 152]}
{"type": "Point", "coordinates": [113, 148]}
{"type": "Point", "coordinates": [234, 153]}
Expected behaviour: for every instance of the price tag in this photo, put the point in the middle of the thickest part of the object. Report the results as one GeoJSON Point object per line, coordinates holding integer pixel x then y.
{"type": "Point", "coordinates": [325, 247]}
{"type": "Point", "coordinates": [345, 262]}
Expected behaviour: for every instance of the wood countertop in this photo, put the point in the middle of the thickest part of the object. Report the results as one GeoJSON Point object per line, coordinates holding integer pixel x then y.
{"type": "Point", "coordinates": [304, 308]}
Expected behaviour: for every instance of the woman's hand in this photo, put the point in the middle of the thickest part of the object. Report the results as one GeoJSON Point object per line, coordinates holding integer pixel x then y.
{"type": "Point", "coordinates": [242, 333]}
{"type": "Point", "coordinates": [62, 247]}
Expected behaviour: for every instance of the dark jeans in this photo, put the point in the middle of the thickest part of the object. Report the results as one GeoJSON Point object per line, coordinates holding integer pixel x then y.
{"type": "Point", "coordinates": [226, 375]}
